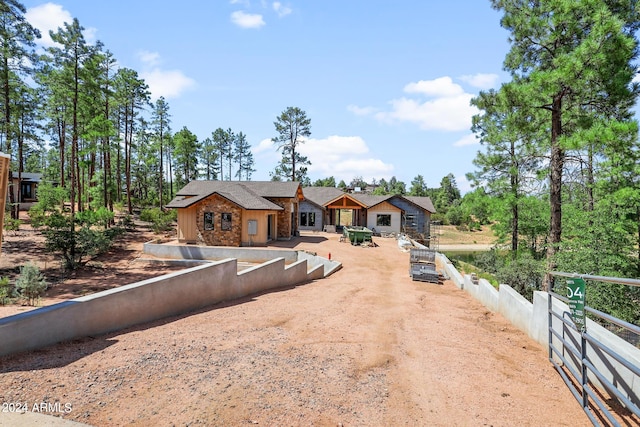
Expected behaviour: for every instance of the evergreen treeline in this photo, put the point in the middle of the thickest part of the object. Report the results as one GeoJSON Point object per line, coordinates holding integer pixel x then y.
{"type": "Point", "coordinates": [558, 174]}
{"type": "Point", "coordinates": [109, 143]}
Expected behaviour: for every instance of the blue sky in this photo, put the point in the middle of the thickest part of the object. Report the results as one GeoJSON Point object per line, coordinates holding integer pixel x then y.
{"type": "Point", "coordinates": [386, 84]}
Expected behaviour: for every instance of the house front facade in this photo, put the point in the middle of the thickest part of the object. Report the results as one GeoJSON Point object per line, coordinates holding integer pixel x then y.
{"type": "Point", "coordinates": [380, 213]}
{"type": "Point", "coordinates": [24, 188]}
{"type": "Point", "coordinates": [314, 214]}
{"type": "Point", "coordinates": [384, 218]}
{"type": "Point", "coordinates": [237, 213]}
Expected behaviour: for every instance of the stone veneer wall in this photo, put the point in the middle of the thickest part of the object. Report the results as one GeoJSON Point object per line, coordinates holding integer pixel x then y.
{"type": "Point", "coordinates": [217, 237]}
{"type": "Point", "coordinates": [284, 217]}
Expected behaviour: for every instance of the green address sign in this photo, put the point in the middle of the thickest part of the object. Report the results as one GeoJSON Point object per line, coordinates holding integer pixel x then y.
{"type": "Point", "coordinates": [576, 295]}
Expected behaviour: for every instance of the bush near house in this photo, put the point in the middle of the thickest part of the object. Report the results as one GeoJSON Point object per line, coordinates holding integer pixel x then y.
{"type": "Point", "coordinates": [31, 284]}
{"type": "Point", "coordinates": [77, 241]}
{"type": "Point", "coordinates": [11, 224]}
{"type": "Point", "coordinates": [159, 219]}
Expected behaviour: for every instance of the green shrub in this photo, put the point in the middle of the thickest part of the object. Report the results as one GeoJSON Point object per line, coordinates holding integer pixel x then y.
{"type": "Point", "coordinates": [37, 216]}
{"type": "Point", "coordinates": [6, 291]}
{"type": "Point", "coordinates": [31, 284]}
{"type": "Point", "coordinates": [76, 244]}
{"type": "Point", "coordinates": [524, 274]}
{"type": "Point", "coordinates": [160, 221]}
{"type": "Point", "coordinates": [11, 224]}
{"type": "Point", "coordinates": [127, 223]}
{"type": "Point", "coordinates": [470, 268]}
{"type": "Point", "coordinates": [101, 216]}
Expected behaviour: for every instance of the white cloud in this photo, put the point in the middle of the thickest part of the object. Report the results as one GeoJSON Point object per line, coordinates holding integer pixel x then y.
{"type": "Point", "coordinates": [264, 145]}
{"type": "Point", "coordinates": [440, 87]}
{"type": "Point", "coordinates": [463, 184]}
{"type": "Point", "coordinates": [149, 58]}
{"type": "Point", "coordinates": [280, 9]}
{"type": "Point", "coordinates": [49, 17]}
{"type": "Point", "coordinates": [469, 139]}
{"type": "Point", "coordinates": [447, 114]}
{"type": "Point", "coordinates": [167, 83]}
{"type": "Point", "coordinates": [344, 157]}
{"type": "Point", "coordinates": [361, 111]}
{"type": "Point", "coordinates": [448, 110]}
{"type": "Point", "coordinates": [247, 20]}
{"type": "Point", "coordinates": [481, 81]}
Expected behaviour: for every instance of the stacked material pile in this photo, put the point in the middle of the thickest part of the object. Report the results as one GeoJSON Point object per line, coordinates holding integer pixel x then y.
{"type": "Point", "coordinates": [423, 265]}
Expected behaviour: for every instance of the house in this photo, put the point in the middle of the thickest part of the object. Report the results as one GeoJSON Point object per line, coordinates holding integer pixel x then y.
{"type": "Point", "coordinates": [25, 188]}
{"type": "Point", "coordinates": [314, 214]}
{"type": "Point", "coordinates": [237, 213]}
{"type": "Point", "coordinates": [330, 208]}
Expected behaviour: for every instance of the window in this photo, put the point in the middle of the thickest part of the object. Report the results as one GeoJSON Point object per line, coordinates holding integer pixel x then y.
{"type": "Point", "coordinates": [225, 222]}
{"type": "Point", "coordinates": [383, 220]}
{"type": "Point", "coordinates": [307, 219]}
{"type": "Point", "coordinates": [27, 192]}
{"type": "Point", "coordinates": [208, 220]}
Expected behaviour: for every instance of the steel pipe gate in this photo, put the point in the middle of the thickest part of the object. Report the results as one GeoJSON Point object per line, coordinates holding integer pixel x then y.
{"type": "Point", "coordinates": [588, 358]}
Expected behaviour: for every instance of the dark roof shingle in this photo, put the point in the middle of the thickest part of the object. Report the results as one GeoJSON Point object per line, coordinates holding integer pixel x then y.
{"type": "Point", "coordinates": [246, 194]}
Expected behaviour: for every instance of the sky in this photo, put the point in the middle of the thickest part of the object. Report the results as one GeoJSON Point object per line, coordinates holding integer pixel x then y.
{"type": "Point", "coordinates": [386, 84]}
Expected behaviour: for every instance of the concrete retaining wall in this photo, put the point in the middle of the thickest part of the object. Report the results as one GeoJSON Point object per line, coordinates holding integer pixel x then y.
{"type": "Point", "coordinates": [182, 253]}
{"type": "Point", "coordinates": [217, 253]}
{"type": "Point", "coordinates": [148, 300]}
{"type": "Point", "coordinates": [533, 319]}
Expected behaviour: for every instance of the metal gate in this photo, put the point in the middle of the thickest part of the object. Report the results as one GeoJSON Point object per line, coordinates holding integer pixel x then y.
{"type": "Point", "coordinates": [601, 370]}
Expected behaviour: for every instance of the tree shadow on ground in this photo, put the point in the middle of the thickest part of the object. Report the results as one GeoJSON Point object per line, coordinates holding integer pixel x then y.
{"type": "Point", "coordinates": [296, 241]}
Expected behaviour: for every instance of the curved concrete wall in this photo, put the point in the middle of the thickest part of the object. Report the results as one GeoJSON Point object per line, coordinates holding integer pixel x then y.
{"type": "Point", "coordinates": [148, 300]}
{"type": "Point", "coordinates": [212, 253]}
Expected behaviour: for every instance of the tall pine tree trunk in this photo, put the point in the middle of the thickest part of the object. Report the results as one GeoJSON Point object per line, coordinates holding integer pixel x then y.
{"type": "Point", "coordinates": [556, 166]}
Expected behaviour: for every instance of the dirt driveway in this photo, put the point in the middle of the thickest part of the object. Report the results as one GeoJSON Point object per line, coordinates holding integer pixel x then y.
{"type": "Point", "coordinates": [366, 346]}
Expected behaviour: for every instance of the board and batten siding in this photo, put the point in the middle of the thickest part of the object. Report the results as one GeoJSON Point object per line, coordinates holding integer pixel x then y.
{"type": "Point", "coordinates": [187, 230]}
{"type": "Point", "coordinates": [261, 217]}
{"type": "Point", "coordinates": [384, 208]}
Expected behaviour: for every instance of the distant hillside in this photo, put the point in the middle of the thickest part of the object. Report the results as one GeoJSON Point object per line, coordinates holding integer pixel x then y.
{"type": "Point", "coordinates": [450, 235]}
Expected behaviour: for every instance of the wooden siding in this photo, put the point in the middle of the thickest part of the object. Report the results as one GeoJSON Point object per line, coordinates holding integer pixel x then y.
{"type": "Point", "coordinates": [384, 208]}
{"type": "Point", "coordinates": [261, 217]}
{"type": "Point", "coordinates": [190, 231]}
{"type": "Point", "coordinates": [187, 230]}
{"type": "Point", "coordinates": [345, 202]}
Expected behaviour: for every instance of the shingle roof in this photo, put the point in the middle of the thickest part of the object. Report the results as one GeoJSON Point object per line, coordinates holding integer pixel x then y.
{"type": "Point", "coordinates": [282, 189]}
{"type": "Point", "coordinates": [422, 201]}
{"type": "Point", "coordinates": [247, 199]}
{"type": "Point", "coordinates": [370, 199]}
{"type": "Point", "coordinates": [321, 195]}
{"type": "Point", "coordinates": [27, 176]}
{"type": "Point", "coordinates": [246, 194]}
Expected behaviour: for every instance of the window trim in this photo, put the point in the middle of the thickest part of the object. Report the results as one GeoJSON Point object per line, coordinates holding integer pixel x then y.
{"type": "Point", "coordinates": [379, 217]}
{"type": "Point", "coordinates": [226, 221]}
{"type": "Point", "coordinates": [208, 219]}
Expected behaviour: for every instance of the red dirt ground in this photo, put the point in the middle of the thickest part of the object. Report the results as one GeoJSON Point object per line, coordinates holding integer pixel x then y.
{"type": "Point", "coordinates": [367, 346]}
